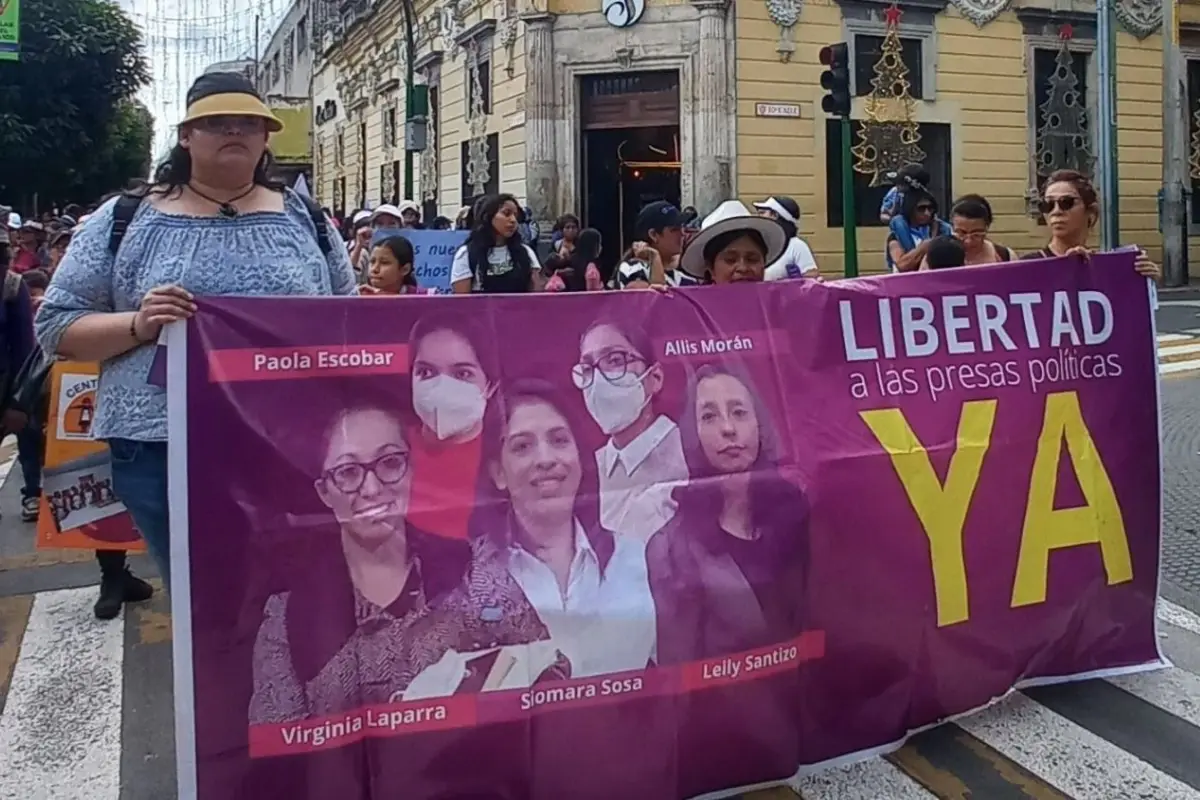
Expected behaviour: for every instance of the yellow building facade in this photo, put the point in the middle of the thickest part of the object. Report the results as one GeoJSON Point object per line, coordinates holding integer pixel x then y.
{"type": "Point", "coordinates": [597, 106]}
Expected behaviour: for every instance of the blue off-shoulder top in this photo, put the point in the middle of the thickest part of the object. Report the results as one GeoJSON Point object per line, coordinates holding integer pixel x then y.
{"type": "Point", "coordinates": [259, 253]}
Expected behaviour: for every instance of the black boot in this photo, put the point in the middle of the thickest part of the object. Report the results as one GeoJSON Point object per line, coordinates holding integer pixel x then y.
{"type": "Point", "coordinates": [118, 585]}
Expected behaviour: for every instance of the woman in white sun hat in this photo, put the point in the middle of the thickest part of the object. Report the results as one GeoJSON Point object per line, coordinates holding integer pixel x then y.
{"type": "Point", "coordinates": [734, 245]}
{"type": "Point", "coordinates": [797, 260]}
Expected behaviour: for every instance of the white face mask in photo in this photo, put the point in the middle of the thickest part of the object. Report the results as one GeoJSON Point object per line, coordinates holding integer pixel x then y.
{"type": "Point", "coordinates": [615, 406]}
{"type": "Point", "coordinates": [448, 406]}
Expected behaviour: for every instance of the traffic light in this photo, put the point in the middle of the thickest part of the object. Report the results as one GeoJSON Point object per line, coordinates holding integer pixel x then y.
{"type": "Point", "coordinates": [836, 79]}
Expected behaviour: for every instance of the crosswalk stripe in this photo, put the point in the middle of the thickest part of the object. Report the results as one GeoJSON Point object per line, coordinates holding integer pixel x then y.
{"type": "Point", "coordinates": [866, 780]}
{"type": "Point", "coordinates": [1178, 616]}
{"type": "Point", "coordinates": [60, 732]}
{"type": "Point", "coordinates": [88, 717]}
{"type": "Point", "coordinates": [1175, 691]}
{"type": "Point", "coordinates": [1080, 763]}
{"type": "Point", "coordinates": [1166, 338]}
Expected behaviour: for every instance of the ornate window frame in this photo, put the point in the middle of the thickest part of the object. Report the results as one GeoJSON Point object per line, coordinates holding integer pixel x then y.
{"type": "Point", "coordinates": [920, 25]}
{"type": "Point", "coordinates": [1040, 34]}
{"type": "Point", "coordinates": [428, 69]}
{"type": "Point", "coordinates": [1189, 50]}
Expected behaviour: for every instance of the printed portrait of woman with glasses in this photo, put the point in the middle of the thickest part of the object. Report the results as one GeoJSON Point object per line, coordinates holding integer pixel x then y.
{"type": "Point", "coordinates": [330, 643]}
{"type": "Point", "coordinates": [358, 630]}
{"type": "Point", "coordinates": [642, 462]}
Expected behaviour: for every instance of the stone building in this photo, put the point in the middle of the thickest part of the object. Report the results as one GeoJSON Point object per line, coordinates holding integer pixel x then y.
{"type": "Point", "coordinates": [597, 106]}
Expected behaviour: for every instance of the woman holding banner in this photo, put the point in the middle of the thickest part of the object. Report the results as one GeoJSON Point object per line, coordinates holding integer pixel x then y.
{"type": "Point", "coordinates": [1071, 208]}
{"type": "Point", "coordinates": [734, 245]}
{"type": "Point", "coordinates": [453, 369]}
{"type": "Point", "coordinates": [214, 222]}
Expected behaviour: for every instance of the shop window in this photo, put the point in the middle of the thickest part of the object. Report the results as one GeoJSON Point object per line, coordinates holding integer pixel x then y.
{"type": "Point", "coordinates": [492, 186]}
{"type": "Point", "coordinates": [935, 141]}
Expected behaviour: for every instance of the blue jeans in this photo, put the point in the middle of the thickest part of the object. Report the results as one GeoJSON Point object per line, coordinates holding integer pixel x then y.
{"type": "Point", "coordinates": [139, 471]}
{"type": "Point", "coordinates": [31, 447]}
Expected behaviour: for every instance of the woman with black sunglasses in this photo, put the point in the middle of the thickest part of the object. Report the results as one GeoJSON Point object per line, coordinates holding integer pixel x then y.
{"type": "Point", "coordinates": [916, 222]}
{"type": "Point", "coordinates": [1070, 206]}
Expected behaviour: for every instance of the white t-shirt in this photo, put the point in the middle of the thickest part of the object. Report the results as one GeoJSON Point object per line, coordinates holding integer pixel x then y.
{"type": "Point", "coordinates": [499, 262]}
{"type": "Point", "coordinates": [797, 253]}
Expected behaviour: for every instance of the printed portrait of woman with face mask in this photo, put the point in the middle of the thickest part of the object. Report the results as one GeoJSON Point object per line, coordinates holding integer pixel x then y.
{"type": "Point", "coordinates": [728, 573]}
{"type": "Point", "coordinates": [452, 369]}
{"type": "Point", "coordinates": [337, 639]}
{"type": "Point", "coordinates": [642, 462]}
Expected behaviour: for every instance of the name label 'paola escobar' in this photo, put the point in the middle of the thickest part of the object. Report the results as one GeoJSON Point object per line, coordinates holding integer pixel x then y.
{"type": "Point", "coordinates": [322, 359]}
{"type": "Point", "coordinates": [554, 695]}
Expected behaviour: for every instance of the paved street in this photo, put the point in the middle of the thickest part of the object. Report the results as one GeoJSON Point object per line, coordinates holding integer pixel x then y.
{"type": "Point", "coordinates": [85, 706]}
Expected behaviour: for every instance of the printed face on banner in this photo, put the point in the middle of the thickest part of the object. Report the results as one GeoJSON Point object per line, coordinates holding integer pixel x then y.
{"type": "Point", "coordinates": [704, 530]}
{"type": "Point", "coordinates": [77, 404]}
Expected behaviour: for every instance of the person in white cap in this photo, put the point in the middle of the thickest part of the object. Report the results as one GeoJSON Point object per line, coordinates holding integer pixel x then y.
{"type": "Point", "coordinates": [360, 244]}
{"type": "Point", "coordinates": [30, 250]}
{"type": "Point", "coordinates": [733, 245]}
{"type": "Point", "coordinates": [797, 260]}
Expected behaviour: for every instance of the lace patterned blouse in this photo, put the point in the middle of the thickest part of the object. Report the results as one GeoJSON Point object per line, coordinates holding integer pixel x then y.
{"type": "Point", "coordinates": [260, 253]}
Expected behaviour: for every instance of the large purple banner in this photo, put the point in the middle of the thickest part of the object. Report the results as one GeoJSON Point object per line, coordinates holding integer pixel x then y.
{"type": "Point", "coordinates": [643, 545]}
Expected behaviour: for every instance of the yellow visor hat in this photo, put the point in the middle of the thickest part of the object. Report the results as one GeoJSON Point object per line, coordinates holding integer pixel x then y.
{"type": "Point", "coordinates": [231, 104]}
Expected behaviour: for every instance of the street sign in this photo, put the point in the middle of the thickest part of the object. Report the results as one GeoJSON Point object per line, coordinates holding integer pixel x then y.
{"type": "Point", "coordinates": [791, 110]}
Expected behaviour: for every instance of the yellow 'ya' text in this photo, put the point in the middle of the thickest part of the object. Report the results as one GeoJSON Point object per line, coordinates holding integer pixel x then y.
{"type": "Point", "coordinates": [942, 507]}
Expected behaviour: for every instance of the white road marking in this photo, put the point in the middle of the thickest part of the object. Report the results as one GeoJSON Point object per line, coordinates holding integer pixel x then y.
{"type": "Point", "coordinates": [1178, 350]}
{"type": "Point", "coordinates": [866, 780]}
{"type": "Point", "coordinates": [1178, 366]}
{"type": "Point", "coordinates": [1167, 338]}
{"type": "Point", "coordinates": [1178, 616]}
{"type": "Point", "coordinates": [60, 733]}
{"type": "Point", "coordinates": [1072, 758]}
{"type": "Point", "coordinates": [1174, 690]}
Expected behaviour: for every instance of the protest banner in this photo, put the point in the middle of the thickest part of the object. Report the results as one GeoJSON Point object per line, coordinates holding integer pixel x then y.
{"type": "Point", "coordinates": [433, 253]}
{"type": "Point", "coordinates": [78, 508]}
{"type": "Point", "coordinates": [10, 30]}
{"type": "Point", "coordinates": [684, 543]}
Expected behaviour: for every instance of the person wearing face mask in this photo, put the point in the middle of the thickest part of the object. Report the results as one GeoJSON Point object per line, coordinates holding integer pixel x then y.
{"type": "Point", "coordinates": [642, 462]}
{"type": "Point", "coordinates": [452, 368]}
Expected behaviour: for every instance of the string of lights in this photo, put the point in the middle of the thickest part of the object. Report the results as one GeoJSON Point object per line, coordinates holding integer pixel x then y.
{"type": "Point", "coordinates": [183, 38]}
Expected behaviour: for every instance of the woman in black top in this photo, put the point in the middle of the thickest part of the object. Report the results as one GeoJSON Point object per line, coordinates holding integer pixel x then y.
{"type": "Point", "coordinates": [494, 260]}
{"type": "Point", "coordinates": [1071, 207]}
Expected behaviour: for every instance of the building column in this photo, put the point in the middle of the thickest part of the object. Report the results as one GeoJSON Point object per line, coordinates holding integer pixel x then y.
{"type": "Point", "coordinates": [541, 112]}
{"type": "Point", "coordinates": [712, 112]}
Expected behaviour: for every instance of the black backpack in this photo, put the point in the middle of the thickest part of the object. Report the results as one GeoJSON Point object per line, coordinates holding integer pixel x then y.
{"type": "Point", "coordinates": [127, 206]}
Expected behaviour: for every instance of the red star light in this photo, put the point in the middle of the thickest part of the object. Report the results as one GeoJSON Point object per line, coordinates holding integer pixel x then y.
{"type": "Point", "coordinates": [892, 15]}
{"type": "Point", "coordinates": [1066, 32]}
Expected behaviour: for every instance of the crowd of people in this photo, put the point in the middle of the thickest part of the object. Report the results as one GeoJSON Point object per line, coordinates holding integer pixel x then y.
{"type": "Point", "coordinates": [213, 220]}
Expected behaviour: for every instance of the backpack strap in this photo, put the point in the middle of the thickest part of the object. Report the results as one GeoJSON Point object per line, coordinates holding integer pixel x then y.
{"type": "Point", "coordinates": [319, 222]}
{"type": "Point", "coordinates": [12, 286]}
{"type": "Point", "coordinates": [127, 205]}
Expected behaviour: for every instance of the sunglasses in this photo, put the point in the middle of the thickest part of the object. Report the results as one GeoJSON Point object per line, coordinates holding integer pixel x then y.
{"type": "Point", "coordinates": [1064, 203]}
{"type": "Point", "coordinates": [925, 207]}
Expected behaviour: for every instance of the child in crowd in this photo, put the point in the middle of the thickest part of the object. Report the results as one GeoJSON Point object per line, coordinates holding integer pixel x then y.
{"type": "Point", "coordinates": [391, 271]}
{"type": "Point", "coordinates": [945, 252]}
{"type": "Point", "coordinates": [36, 281]}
